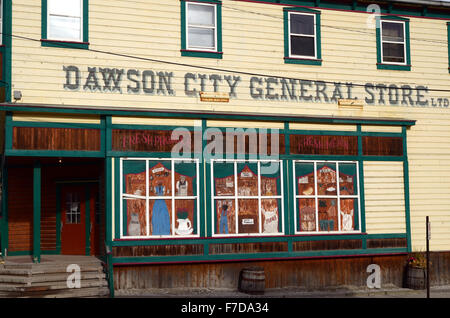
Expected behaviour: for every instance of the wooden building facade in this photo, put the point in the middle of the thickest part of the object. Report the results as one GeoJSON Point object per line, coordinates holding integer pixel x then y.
{"type": "Point", "coordinates": [182, 140]}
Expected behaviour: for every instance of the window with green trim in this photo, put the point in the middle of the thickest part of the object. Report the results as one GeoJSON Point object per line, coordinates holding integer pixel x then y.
{"type": "Point", "coordinates": [1, 21]}
{"type": "Point", "coordinates": [302, 36]}
{"type": "Point", "coordinates": [326, 197]}
{"type": "Point", "coordinates": [393, 44]}
{"type": "Point", "coordinates": [201, 29]}
{"type": "Point", "coordinates": [247, 197]}
{"type": "Point", "coordinates": [65, 23]}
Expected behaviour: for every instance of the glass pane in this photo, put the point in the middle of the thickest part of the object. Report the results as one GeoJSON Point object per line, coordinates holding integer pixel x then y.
{"type": "Point", "coordinates": [134, 177]}
{"type": "Point", "coordinates": [349, 210]}
{"type": "Point", "coordinates": [393, 52]}
{"type": "Point", "coordinates": [347, 179]}
{"type": "Point", "coordinates": [248, 215]}
{"type": "Point", "coordinates": [200, 37]}
{"type": "Point", "coordinates": [201, 14]}
{"type": "Point", "coordinates": [303, 46]}
{"type": "Point", "coordinates": [185, 217]}
{"type": "Point", "coordinates": [223, 178]}
{"type": "Point", "coordinates": [328, 216]}
{"type": "Point", "coordinates": [326, 179]}
{"type": "Point", "coordinates": [185, 178]}
{"type": "Point", "coordinates": [134, 217]}
{"type": "Point", "coordinates": [160, 217]}
{"type": "Point", "coordinates": [65, 7]}
{"type": "Point", "coordinates": [270, 178]}
{"type": "Point", "coordinates": [247, 179]}
{"type": "Point", "coordinates": [304, 172]}
{"type": "Point", "coordinates": [64, 28]}
{"type": "Point", "coordinates": [160, 178]}
{"type": "Point", "coordinates": [225, 217]}
{"type": "Point", "coordinates": [392, 31]}
{"type": "Point", "coordinates": [302, 24]}
{"type": "Point", "coordinates": [271, 212]}
{"type": "Point", "coordinates": [306, 215]}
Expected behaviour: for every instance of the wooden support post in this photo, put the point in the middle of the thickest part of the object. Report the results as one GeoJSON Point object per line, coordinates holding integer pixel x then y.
{"type": "Point", "coordinates": [37, 212]}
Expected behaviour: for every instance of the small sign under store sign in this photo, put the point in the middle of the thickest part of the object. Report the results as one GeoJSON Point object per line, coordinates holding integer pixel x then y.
{"type": "Point", "coordinates": [248, 222]}
{"type": "Point", "coordinates": [214, 97]}
{"type": "Point", "coordinates": [351, 102]}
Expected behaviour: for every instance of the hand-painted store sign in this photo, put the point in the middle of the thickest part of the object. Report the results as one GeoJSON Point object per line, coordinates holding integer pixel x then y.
{"type": "Point", "coordinates": [149, 82]}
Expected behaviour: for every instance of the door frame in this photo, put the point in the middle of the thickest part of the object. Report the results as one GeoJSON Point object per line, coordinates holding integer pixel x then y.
{"type": "Point", "coordinates": [88, 185]}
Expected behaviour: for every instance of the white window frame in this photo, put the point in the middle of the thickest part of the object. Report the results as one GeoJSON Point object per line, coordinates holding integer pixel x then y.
{"type": "Point", "coordinates": [148, 197]}
{"type": "Point", "coordinates": [316, 196]}
{"type": "Point", "coordinates": [198, 48]}
{"type": "Point", "coordinates": [237, 197]}
{"type": "Point", "coordinates": [303, 35]}
{"type": "Point", "coordinates": [80, 39]}
{"type": "Point", "coordinates": [394, 42]}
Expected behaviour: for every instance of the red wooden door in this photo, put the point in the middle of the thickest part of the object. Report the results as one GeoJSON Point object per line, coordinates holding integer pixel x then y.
{"type": "Point", "coordinates": [73, 220]}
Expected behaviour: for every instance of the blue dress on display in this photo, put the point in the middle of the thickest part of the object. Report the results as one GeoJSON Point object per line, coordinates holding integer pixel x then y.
{"type": "Point", "coordinates": [160, 215]}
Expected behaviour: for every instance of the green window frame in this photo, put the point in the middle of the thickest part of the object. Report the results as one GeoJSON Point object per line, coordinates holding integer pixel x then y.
{"type": "Point", "coordinates": [216, 52]}
{"type": "Point", "coordinates": [386, 65]}
{"type": "Point", "coordinates": [47, 41]}
{"type": "Point", "coordinates": [293, 59]}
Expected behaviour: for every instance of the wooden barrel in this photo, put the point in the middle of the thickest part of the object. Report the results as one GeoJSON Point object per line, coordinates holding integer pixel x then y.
{"type": "Point", "coordinates": [252, 280]}
{"type": "Point", "coordinates": [416, 278]}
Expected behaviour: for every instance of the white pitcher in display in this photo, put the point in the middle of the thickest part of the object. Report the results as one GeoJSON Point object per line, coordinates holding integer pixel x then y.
{"type": "Point", "coordinates": [184, 227]}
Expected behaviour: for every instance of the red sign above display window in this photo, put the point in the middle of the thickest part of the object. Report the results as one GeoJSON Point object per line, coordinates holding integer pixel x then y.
{"type": "Point", "coordinates": [324, 145]}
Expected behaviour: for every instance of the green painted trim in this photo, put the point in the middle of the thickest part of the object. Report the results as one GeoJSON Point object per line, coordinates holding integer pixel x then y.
{"type": "Point", "coordinates": [406, 190]}
{"type": "Point", "coordinates": [58, 218]}
{"type": "Point", "coordinates": [37, 212]}
{"type": "Point", "coordinates": [361, 7]}
{"type": "Point", "coordinates": [8, 131]}
{"type": "Point", "coordinates": [185, 51]}
{"type": "Point", "coordinates": [87, 216]}
{"type": "Point", "coordinates": [108, 223]}
{"type": "Point", "coordinates": [45, 42]}
{"type": "Point", "coordinates": [144, 154]}
{"type": "Point", "coordinates": [203, 115]}
{"type": "Point", "coordinates": [65, 45]}
{"type": "Point", "coordinates": [108, 134]}
{"type": "Point", "coordinates": [117, 200]}
{"type": "Point", "coordinates": [287, 54]}
{"type": "Point", "coordinates": [290, 60]}
{"type": "Point", "coordinates": [256, 256]}
{"type": "Point", "coordinates": [362, 205]}
{"type": "Point", "coordinates": [205, 204]}
{"type": "Point", "coordinates": [6, 49]}
{"type": "Point", "coordinates": [380, 64]}
{"type": "Point", "coordinates": [26, 253]}
{"type": "Point", "coordinates": [212, 55]}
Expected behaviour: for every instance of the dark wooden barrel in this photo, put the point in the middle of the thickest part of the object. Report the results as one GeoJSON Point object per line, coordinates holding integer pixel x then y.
{"type": "Point", "coordinates": [416, 278]}
{"type": "Point", "coordinates": [252, 280]}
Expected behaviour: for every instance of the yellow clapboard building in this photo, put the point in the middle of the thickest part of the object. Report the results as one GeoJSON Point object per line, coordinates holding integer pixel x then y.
{"type": "Point", "coordinates": [211, 135]}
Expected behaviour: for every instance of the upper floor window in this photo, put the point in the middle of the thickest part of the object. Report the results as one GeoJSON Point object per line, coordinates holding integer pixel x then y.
{"type": "Point", "coordinates": [65, 23]}
{"type": "Point", "coordinates": [201, 29]}
{"type": "Point", "coordinates": [393, 44]}
{"type": "Point", "coordinates": [302, 36]}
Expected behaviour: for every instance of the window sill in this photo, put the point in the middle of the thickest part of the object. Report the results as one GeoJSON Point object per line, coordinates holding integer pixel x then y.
{"type": "Point", "coordinates": [394, 67]}
{"type": "Point", "coordinates": [207, 54]}
{"type": "Point", "coordinates": [292, 60]}
{"type": "Point", "coordinates": [65, 44]}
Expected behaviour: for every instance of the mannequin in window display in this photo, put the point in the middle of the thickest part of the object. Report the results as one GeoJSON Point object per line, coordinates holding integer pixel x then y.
{"type": "Point", "coordinates": [160, 213]}
{"type": "Point", "coordinates": [182, 187]}
{"type": "Point", "coordinates": [223, 221]}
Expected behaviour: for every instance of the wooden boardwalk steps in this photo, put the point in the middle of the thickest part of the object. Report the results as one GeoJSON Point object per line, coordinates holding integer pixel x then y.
{"type": "Point", "coordinates": [51, 278]}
